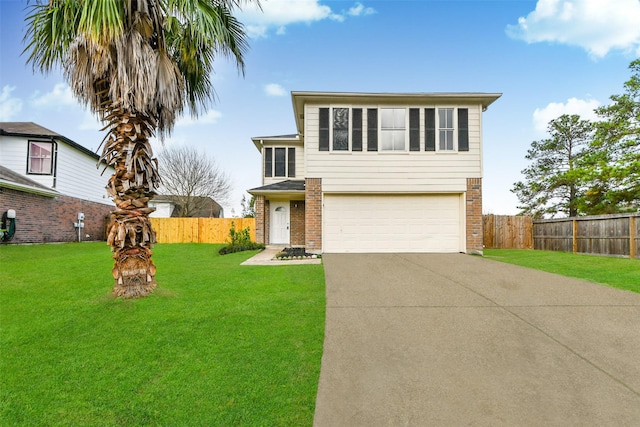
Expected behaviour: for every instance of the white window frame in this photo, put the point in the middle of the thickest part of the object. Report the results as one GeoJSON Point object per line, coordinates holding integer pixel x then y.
{"type": "Point", "coordinates": [273, 161]}
{"type": "Point", "coordinates": [382, 131]}
{"type": "Point", "coordinates": [40, 158]}
{"type": "Point", "coordinates": [453, 129]}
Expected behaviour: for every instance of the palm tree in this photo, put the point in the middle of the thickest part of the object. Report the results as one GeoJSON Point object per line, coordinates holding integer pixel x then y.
{"type": "Point", "coordinates": [138, 64]}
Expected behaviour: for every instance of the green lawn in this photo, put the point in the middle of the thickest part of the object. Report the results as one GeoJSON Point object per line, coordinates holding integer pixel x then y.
{"type": "Point", "coordinates": [217, 344]}
{"type": "Point", "coordinates": [617, 272]}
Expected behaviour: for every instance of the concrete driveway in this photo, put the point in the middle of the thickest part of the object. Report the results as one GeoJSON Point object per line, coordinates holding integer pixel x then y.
{"type": "Point", "coordinates": [450, 340]}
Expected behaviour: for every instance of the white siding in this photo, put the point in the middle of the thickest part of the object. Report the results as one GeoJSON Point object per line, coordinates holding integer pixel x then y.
{"type": "Point", "coordinates": [79, 176]}
{"type": "Point", "coordinates": [76, 173]}
{"type": "Point", "coordinates": [409, 171]}
{"type": "Point", "coordinates": [13, 155]}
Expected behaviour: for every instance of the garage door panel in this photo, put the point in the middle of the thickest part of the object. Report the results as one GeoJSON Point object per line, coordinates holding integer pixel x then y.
{"type": "Point", "coordinates": [391, 223]}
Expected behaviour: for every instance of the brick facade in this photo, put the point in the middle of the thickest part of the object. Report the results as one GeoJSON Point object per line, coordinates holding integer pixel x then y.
{"type": "Point", "coordinates": [474, 216]}
{"type": "Point", "coordinates": [313, 214]}
{"type": "Point", "coordinates": [297, 233]}
{"type": "Point", "coordinates": [260, 230]}
{"type": "Point", "coordinates": [41, 219]}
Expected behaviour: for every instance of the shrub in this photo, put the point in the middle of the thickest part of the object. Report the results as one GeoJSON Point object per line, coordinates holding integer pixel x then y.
{"type": "Point", "coordinates": [239, 241]}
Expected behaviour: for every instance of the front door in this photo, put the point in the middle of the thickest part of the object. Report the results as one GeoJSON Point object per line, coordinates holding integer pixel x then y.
{"type": "Point", "coordinates": [279, 223]}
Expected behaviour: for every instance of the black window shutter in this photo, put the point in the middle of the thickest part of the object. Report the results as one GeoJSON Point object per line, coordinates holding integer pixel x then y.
{"type": "Point", "coordinates": [291, 162]}
{"type": "Point", "coordinates": [463, 129]}
{"type": "Point", "coordinates": [324, 130]}
{"type": "Point", "coordinates": [414, 129]}
{"type": "Point", "coordinates": [430, 129]}
{"type": "Point", "coordinates": [372, 129]}
{"type": "Point", "coordinates": [356, 129]}
{"type": "Point", "coordinates": [268, 161]}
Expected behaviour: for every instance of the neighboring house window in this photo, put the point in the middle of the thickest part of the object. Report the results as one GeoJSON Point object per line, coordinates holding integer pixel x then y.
{"type": "Point", "coordinates": [340, 129]}
{"type": "Point", "coordinates": [392, 129]}
{"type": "Point", "coordinates": [279, 162]}
{"type": "Point", "coordinates": [445, 129]}
{"type": "Point", "coordinates": [40, 160]}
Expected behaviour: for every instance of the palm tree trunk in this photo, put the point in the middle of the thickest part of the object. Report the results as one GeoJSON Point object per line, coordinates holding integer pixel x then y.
{"type": "Point", "coordinates": [130, 233]}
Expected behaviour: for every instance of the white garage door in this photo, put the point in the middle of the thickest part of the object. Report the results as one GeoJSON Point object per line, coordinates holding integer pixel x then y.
{"type": "Point", "coordinates": [392, 223]}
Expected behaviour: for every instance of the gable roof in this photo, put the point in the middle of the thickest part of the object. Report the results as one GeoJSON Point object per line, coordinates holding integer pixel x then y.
{"type": "Point", "coordinates": [299, 99]}
{"type": "Point", "coordinates": [33, 130]}
{"type": "Point", "coordinates": [13, 180]}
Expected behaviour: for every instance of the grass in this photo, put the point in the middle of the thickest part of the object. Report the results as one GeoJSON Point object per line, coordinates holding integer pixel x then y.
{"type": "Point", "coordinates": [617, 272]}
{"type": "Point", "coordinates": [217, 344]}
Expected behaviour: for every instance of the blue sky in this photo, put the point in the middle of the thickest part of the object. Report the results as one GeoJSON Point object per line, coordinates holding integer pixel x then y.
{"type": "Point", "coordinates": [547, 57]}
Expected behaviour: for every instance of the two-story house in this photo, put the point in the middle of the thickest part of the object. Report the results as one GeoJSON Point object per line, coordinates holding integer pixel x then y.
{"type": "Point", "coordinates": [48, 180]}
{"type": "Point", "coordinates": [375, 172]}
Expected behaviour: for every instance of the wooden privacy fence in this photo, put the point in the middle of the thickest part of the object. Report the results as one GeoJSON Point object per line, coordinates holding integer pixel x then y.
{"type": "Point", "coordinates": [199, 230]}
{"type": "Point", "coordinates": [507, 232]}
{"type": "Point", "coordinates": [611, 235]}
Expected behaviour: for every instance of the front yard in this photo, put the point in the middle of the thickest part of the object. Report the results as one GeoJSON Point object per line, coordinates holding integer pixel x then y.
{"type": "Point", "coordinates": [216, 344]}
{"type": "Point", "coordinates": [617, 272]}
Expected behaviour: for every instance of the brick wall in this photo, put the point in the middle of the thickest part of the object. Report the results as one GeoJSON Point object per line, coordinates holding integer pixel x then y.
{"type": "Point", "coordinates": [41, 219]}
{"type": "Point", "coordinates": [474, 215]}
{"type": "Point", "coordinates": [297, 222]}
{"type": "Point", "coordinates": [313, 214]}
{"type": "Point", "coordinates": [260, 232]}
{"type": "Point", "coordinates": [267, 222]}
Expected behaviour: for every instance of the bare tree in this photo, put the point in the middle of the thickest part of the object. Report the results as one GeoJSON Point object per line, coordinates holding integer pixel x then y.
{"type": "Point", "coordinates": [192, 178]}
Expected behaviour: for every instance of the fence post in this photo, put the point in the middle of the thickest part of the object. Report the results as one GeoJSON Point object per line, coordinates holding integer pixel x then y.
{"type": "Point", "coordinates": [575, 236]}
{"type": "Point", "coordinates": [632, 237]}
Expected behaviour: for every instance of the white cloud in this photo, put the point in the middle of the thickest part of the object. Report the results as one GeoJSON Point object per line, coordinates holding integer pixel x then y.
{"type": "Point", "coordinates": [359, 9]}
{"type": "Point", "coordinates": [598, 26]}
{"type": "Point", "coordinates": [60, 97]}
{"type": "Point", "coordinates": [274, 89]}
{"type": "Point", "coordinates": [583, 108]}
{"type": "Point", "coordinates": [209, 117]}
{"type": "Point", "coordinates": [10, 107]}
{"type": "Point", "coordinates": [277, 14]}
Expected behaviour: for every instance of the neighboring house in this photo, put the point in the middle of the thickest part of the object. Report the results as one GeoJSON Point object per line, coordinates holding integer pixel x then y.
{"type": "Point", "coordinates": [372, 172]}
{"type": "Point", "coordinates": [48, 180]}
{"type": "Point", "coordinates": [170, 207]}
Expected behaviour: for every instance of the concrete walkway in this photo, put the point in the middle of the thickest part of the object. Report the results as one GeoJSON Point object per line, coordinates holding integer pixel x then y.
{"type": "Point", "coordinates": [452, 340]}
{"type": "Point", "coordinates": [268, 257]}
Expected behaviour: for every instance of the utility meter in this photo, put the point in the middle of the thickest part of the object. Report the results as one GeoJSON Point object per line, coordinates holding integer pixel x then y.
{"type": "Point", "coordinates": [80, 216]}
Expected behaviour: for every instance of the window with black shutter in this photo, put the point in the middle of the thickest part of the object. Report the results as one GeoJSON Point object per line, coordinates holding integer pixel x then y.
{"type": "Point", "coordinates": [463, 129]}
{"type": "Point", "coordinates": [430, 129]}
{"type": "Point", "coordinates": [356, 132]}
{"type": "Point", "coordinates": [268, 162]}
{"type": "Point", "coordinates": [372, 129]}
{"type": "Point", "coordinates": [414, 129]}
{"type": "Point", "coordinates": [280, 162]}
{"type": "Point", "coordinates": [324, 130]}
{"type": "Point", "coordinates": [340, 129]}
{"type": "Point", "coordinates": [291, 162]}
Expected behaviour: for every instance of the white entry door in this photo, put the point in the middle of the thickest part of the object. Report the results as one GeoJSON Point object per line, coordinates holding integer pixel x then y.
{"type": "Point", "coordinates": [279, 223]}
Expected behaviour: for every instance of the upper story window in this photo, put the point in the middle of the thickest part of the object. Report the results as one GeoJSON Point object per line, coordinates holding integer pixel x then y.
{"type": "Point", "coordinates": [394, 129]}
{"type": "Point", "coordinates": [40, 158]}
{"type": "Point", "coordinates": [279, 162]}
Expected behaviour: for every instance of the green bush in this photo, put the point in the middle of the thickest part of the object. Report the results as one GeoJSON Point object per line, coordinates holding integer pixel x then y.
{"type": "Point", "coordinates": [239, 241]}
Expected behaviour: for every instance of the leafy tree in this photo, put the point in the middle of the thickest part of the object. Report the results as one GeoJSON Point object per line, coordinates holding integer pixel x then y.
{"type": "Point", "coordinates": [553, 181]}
{"type": "Point", "coordinates": [138, 65]}
{"type": "Point", "coordinates": [615, 158]}
{"type": "Point", "coordinates": [248, 207]}
{"type": "Point", "coordinates": [192, 179]}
